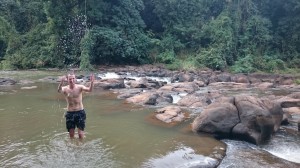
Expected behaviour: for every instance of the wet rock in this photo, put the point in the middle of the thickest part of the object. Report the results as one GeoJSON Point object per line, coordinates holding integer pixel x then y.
{"type": "Point", "coordinates": [145, 83]}
{"type": "Point", "coordinates": [287, 102]}
{"type": "Point", "coordinates": [292, 110]}
{"type": "Point", "coordinates": [284, 80]}
{"type": "Point", "coordinates": [246, 118]}
{"type": "Point", "coordinates": [170, 114]}
{"type": "Point", "coordinates": [141, 83]}
{"type": "Point", "coordinates": [145, 98]}
{"type": "Point", "coordinates": [152, 99]}
{"type": "Point", "coordinates": [264, 85]}
{"type": "Point", "coordinates": [240, 78]}
{"type": "Point", "coordinates": [126, 93]}
{"type": "Point", "coordinates": [107, 84]}
{"type": "Point", "coordinates": [262, 77]}
{"type": "Point", "coordinates": [266, 126]}
{"type": "Point", "coordinates": [182, 77]}
{"type": "Point", "coordinates": [219, 77]}
{"type": "Point", "coordinates": [286, 118]}
{"type": "Point", "coordinates": [198, 99]}
{"type": "Point", "coordinates": [7, 81]}
{"type": "Point", "coordinates": [251, 110]}
{"type": "Point", "coordinates": [218, 118]}
{"type": "Point", "coordinates": [295, 95]}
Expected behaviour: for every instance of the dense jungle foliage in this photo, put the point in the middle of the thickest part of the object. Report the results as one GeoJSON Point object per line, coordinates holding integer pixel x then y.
{"type": "Point", "coordinates": [237, 35]}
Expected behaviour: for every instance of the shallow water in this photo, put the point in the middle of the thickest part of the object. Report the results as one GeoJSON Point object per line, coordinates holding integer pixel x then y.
{"type": "Point", "coordinates": [120, 135]}
{"type": "Point", "coordinates": [33, 134]}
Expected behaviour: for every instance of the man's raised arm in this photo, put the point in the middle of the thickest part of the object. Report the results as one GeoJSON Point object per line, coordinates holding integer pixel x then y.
{"type": "Point", "coordinates": [92, 82]}
{"type": "Point", "coordinates": [90, 88]}
{"type": "Point", "coordinates": [59, 89]}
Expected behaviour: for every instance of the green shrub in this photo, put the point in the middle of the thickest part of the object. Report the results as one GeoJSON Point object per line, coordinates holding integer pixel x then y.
{"type": "Point", "coordinates": [5, 65]}
{"type": "Point", "coordinates": [243, 65]}
{"type": "Point", "coordinates": [167, 57]}
{"type": "Point", "coordinates": [274, 65]}
{"type": "Point", "coordinates": [212, 58]}
{"type": "Point", "coordinates": [174, 66]}
{"type": "Point", "coordinates": [188, 63]}
{"type": "Point", "coordinates": [191, 63]}
{"type": "Point", "coordinates": [295, 63]}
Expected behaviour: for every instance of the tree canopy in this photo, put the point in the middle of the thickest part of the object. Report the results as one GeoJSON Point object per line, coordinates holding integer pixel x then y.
{"type": "Point", "coordinates": [240, 35]}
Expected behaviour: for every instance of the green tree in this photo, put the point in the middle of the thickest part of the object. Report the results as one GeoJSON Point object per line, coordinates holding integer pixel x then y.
{"type": "Point", "coordinates": [117, 37]}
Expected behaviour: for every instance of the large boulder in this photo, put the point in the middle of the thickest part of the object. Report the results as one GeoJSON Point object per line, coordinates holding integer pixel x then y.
{"type": "Point", "coordinates": [107, 84]}
{"type": "Point", "coordinates": [218, 118]}
{"type": "Point", "coordinates": [259, 119]}
{"type": "Point", "coordinates": [242, 117]}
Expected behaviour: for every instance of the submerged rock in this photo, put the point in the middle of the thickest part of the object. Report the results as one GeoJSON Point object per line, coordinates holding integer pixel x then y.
{"type": "Point", "coordinates": [7, 81]}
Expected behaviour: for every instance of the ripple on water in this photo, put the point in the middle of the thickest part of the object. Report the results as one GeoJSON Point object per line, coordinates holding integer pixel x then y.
{"type": "Point", "coordinates": [61, 151]}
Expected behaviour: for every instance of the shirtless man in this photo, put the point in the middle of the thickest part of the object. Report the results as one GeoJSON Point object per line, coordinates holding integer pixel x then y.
{"type": "Point", "coordinates": [75, 116]}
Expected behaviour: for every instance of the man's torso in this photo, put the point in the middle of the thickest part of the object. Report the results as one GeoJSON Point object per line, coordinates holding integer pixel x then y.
{"type": "Point", "coordinates": [73, 97]}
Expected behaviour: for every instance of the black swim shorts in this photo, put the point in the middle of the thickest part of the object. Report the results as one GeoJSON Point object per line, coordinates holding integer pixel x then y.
{"type": "Point", "coordinates": [75, 119]}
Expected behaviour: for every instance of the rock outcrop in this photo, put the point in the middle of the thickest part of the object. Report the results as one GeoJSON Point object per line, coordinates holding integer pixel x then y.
{"type": "Point", "coordinates": [242, 117]}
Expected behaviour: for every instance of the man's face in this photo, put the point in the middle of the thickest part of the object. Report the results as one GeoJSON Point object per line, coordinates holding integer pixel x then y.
{"type": "Point", "coordinates": [71, 79]}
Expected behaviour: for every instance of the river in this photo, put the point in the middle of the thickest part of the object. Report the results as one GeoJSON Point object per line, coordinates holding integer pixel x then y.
{"type": "Point", "coordinates": [33, 134]}
{"type": "Point", "coordinates": [119, 135]}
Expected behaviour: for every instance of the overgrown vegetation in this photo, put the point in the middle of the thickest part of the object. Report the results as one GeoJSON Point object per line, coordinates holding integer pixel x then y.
{"type": "Point", "coordinates": [242, 36]}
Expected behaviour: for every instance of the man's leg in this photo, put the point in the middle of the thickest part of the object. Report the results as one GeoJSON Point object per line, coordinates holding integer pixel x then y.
{"type": "Point", "coordinates": [80, 133]}
{"type": "Point", "coordinates": [72, 132]}
{"type": "Point", "coordinates": [81, 124]}
{"type": "Point", "coordinates": [70, 124]}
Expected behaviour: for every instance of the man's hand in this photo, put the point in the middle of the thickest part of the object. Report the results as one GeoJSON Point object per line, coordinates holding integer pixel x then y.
{"type": "Point", "coordinates": [62, 80]}
{"type": "Point", "coordinates": [92, 78]}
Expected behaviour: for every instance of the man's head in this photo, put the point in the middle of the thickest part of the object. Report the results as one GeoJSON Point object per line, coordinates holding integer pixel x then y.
{"type": "Point", "coordinates": [71, 78]}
